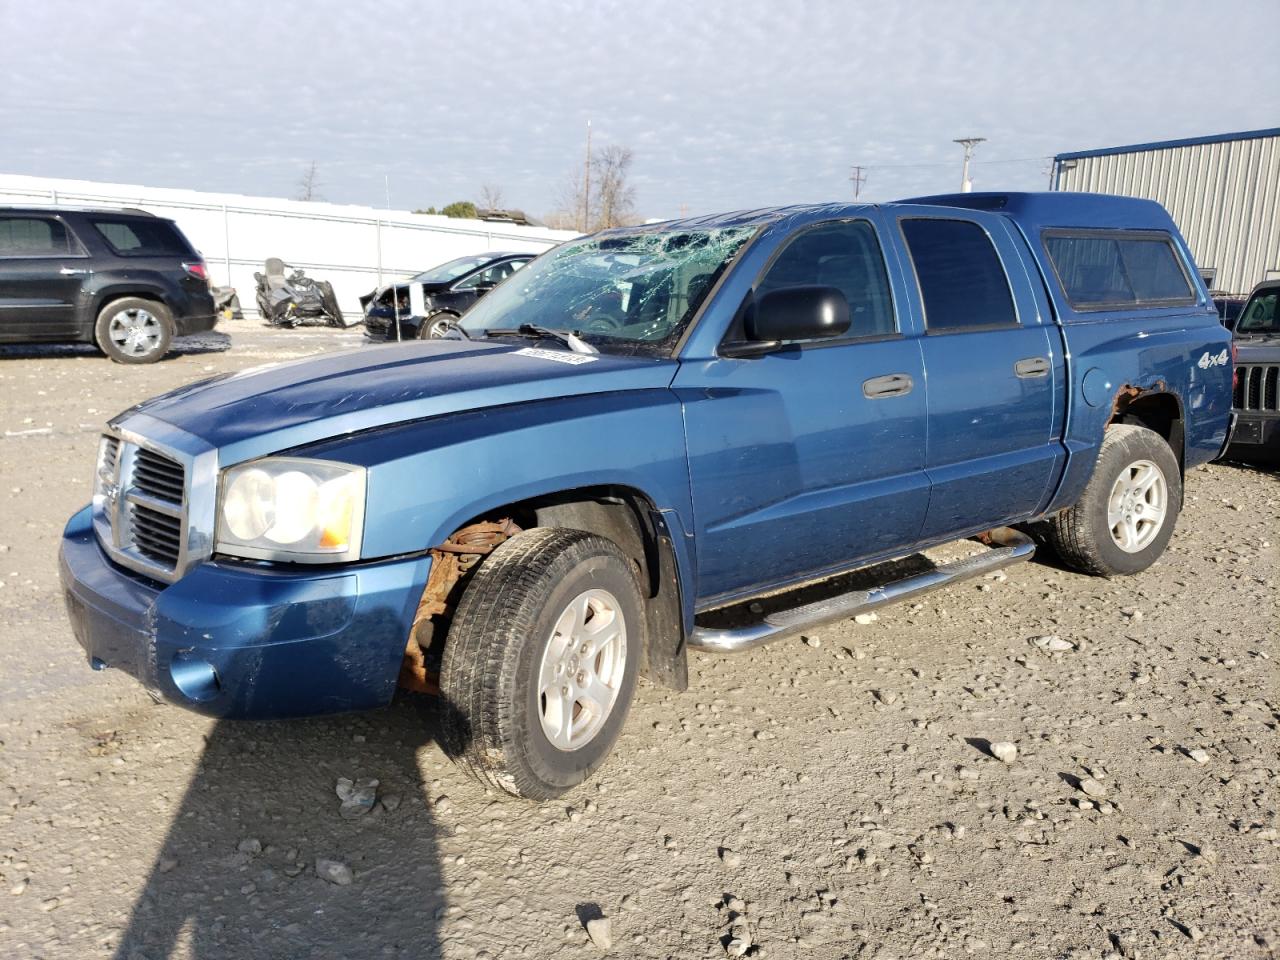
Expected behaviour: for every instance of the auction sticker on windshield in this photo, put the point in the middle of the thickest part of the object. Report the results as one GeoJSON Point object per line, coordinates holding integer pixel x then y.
{"type": "Point", "coordinates": [557, 355]}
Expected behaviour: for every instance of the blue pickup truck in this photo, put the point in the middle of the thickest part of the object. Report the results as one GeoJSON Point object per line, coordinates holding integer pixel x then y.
{"type": "Point", "coordinates": [642, 443]}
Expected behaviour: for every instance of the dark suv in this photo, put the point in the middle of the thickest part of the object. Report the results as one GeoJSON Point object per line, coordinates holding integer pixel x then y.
{"type": "Point", "coordinates": [123, 279]}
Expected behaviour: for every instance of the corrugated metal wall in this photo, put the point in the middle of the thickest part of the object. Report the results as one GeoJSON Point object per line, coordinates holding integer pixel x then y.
{"type": "Point", "coordinates": [1224, 196]}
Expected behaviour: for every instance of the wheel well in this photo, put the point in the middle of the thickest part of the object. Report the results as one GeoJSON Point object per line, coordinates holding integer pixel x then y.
{"type": "Point", "coordinates": [1156, 410]}
{"type": "Point", "coordinates": [632, 521]}
{"type": "Point", "coordinates": [617, 513]}
{"type": "Point", "coordinates": [110, 298]}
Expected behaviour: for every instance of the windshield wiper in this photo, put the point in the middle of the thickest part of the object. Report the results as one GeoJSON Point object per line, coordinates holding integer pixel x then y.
{"type": "Point", "coordinates": [533, 331]}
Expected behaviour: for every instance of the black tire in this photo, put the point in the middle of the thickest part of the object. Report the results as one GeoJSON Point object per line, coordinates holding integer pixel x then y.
{"type": "Point", "coordinates": [1082, 534]}
{"type": "Point", "coordinates": [492, 721]}
{"type": "Point", "coordinates": [431, 327]}
{"type": "Point", "coordinates": [119, 314]}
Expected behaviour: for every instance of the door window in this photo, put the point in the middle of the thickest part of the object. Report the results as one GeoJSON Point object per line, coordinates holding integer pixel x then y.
{"type": "Point", "coordinates": [35, 237]}
{"type": "Point", "coordinates": [962, 281]}
{"type": "Point", "coordinates": [493, 276]}
{"type": "Point", "coordinates": [845, 255]}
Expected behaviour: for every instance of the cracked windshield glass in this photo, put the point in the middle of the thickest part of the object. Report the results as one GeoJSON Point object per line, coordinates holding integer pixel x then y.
{"type": "Point", "coordinates": [622, 293]}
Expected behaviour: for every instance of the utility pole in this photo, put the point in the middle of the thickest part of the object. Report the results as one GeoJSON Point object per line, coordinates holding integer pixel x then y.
{"type": "Point", "coordinates": [966, 185]}
{"type": "Point", "coordinates": [586, 183]}
{"type": "Point", "coordinates": [858, 178]}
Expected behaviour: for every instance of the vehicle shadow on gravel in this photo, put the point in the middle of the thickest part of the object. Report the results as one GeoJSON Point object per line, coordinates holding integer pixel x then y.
{"type": "Point", "coordinates": [260, 862]}
{"type": "Point", "coordinates": [194, 345]}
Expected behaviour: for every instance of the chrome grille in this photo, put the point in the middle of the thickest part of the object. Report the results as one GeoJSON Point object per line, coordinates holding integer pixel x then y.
{"type": "Point", "coordinates": [1257, 387]}
{"type": "Point", "coordinates": [110, 455]}
{"type": "Point", "coordinates": [140, 507]}
{"type": "Point", "coordinates": [155, 535]}
{"type": "Point", "coordinates": [158, 476]}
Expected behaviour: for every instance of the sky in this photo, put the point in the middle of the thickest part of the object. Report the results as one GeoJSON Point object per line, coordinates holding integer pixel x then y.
{"type": "Point", "coordinates": [725, 105]}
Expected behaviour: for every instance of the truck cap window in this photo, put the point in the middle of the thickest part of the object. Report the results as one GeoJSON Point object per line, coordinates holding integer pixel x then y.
{"type": "Point", "coordinates": [962, 282]}
{"type": "Point", "coordinates": [34, 237]}
{"type": "Point", "coordinates": [846, 256]}
{"type": "Point", "coordinates": [142, 238]}
{"type": "Point", "coordinates": [1098, 270]}
{"type": "Point", "coordinates": [621, 292]}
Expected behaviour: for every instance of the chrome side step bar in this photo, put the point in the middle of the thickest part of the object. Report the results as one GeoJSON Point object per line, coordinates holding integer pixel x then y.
{"type": "Point", "coordinates": [1008, 546]}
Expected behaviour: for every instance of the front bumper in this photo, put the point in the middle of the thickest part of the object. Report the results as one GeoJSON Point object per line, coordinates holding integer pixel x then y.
{"type": "Point", "coordinates": [245, 641]}
{"type": "Point", "coordinates": [384, 328]}
{"type": "Point", "coordinates": [1254, 434]}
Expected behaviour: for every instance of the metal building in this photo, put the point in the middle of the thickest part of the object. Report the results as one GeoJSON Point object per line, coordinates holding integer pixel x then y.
{"type": "Point", "coordinates": [1223, 192]}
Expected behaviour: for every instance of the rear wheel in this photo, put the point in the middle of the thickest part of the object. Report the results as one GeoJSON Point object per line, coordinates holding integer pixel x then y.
{"type": "Point", "coordinates": [1123, 521]}
{"type": "Point", "coordinates": [133, 330]}
{"type": "Point", "coordinates": [541, 662]}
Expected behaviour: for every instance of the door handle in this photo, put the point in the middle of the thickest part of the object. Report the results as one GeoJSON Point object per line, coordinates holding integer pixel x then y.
{"type": "Point", "coordinates": [1032, 367]}
{"type": "Point", "coordinates": [71, 271]}
{"type": "Point", "coordinates": [892, 385]}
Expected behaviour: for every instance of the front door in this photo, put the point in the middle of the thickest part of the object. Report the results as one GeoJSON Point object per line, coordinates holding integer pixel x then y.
{"type": "Point", "coordinates": [807, 459]}
{"type": "Point", "coordinates": [993, 362]}
{"type": "Point", "coordinates": [42, 268]}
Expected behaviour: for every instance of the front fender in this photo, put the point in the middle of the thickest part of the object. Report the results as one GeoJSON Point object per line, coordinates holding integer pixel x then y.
{"type": "Point", "coordinates": [428, 478]}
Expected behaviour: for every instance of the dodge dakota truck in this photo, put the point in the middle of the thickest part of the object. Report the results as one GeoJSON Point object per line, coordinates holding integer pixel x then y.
{"type": "Point", "coordinates": [705, 433]}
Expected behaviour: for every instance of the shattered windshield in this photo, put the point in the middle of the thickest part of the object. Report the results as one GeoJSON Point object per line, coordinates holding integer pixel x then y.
{"type": "Point", "coordinates": [451, 270]}
{"type": "Point", "coordinates": [629, 293]}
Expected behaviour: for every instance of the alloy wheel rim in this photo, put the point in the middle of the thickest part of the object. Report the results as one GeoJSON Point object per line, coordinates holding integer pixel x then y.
{"type": "Point", "coordinates": [1137, 506]}
{"type": "Point", "coordinates": [583, 663]}
{"type": "Point", "coordinates": [135, 332]}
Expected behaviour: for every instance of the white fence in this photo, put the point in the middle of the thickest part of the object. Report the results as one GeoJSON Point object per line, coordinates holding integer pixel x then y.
{"type": "Point", "coordinates": [355, 248]}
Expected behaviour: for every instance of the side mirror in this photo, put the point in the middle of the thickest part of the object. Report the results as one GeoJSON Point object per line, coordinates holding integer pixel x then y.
{"type": "Point", "coordinates": [791, 313]}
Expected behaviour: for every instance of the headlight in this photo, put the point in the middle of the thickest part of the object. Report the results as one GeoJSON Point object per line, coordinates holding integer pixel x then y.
{"type": "Point", "coordinates": [289, 508]}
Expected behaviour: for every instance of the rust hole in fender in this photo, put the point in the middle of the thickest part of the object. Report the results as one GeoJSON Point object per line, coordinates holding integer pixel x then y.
{"type": "Point", "coordinates": [451, 562]}
{"type": "Point", "coordinates": [1129, 393]}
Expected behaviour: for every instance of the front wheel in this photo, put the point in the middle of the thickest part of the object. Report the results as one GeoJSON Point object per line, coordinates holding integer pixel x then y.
{"type": "Point", "coordinates": [436, 326]}
{"type": "Point", "coordinates": [1123, 521]}
{"type": "Point", "coordinates": [133, 330]}
{"type": "Point", "coordinates": [541, 661]}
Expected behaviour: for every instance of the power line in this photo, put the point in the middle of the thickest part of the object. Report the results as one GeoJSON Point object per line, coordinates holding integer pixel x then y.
{"type": "Point", "coordinates": [968, 143]}
{"type": "Point", "coordinates": [858, 178]}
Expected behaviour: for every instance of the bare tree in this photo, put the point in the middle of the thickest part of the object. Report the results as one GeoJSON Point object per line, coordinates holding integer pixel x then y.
{"type": "Point", "coordinates": [309, 184]}
{"type": "Point", "coordinates": [615, 198]}
{"type": "Point", "coordinates": [567, 214]}
{"type": "Point", "coordinates": [612, 201]}
{"type": "Point", "coordinates": [490, 197]}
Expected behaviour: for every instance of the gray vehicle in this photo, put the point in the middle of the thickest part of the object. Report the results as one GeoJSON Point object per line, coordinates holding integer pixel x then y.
{"type": "Point", "coordinates": [125, 280]}
{"type": "Point", "coordinates": [1256, 399]}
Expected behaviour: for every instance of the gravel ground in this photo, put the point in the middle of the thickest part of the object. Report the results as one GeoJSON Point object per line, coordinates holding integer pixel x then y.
{"type": "Point", "coordinates": [837, 795]}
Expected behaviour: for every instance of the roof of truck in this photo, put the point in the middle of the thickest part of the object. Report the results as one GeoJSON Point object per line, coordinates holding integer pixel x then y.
{"type": "Point", "coordinates": [1035, 211]}
{"type": "Point", "coordinates": [1032, 210]}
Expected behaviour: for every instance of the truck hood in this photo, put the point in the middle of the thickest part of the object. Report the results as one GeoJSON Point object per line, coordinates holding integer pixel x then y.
{"type": "Point", "coordinates": [285, 405]}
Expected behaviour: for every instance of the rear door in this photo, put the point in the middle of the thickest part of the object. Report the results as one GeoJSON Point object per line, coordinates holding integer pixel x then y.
{"type": "Point", "coordinates": [805, 460]}
{"type": "Point", "coordinates": [991, 357]}
{"type": "Point", "coordinates": [42, 268]}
